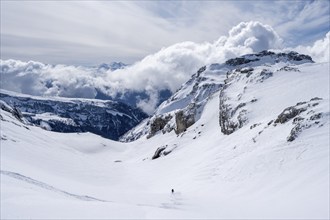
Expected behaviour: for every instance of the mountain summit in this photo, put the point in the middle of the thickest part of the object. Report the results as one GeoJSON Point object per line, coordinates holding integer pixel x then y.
{"type": "Point", "coordinates": [184, 107]}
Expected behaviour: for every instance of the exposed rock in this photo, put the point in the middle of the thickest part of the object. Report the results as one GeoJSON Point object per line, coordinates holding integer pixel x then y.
{"type": "Point", "coordinates": [254, 125]}
{"type": "Point", "coordinates": [296, 56]}
{"type": "Point", "coordinates": [247, 70]}
{"type": "Point", "coordinates": [202, 69]}
{"type": "Point", "coordinates": [302, 119]}
{"type": "Point", "coordinates": [227, 120]}
{"type": "Point", "coordinates": [183, 121]}
{"type": "Point", "coordinates": [158, 124]}
{"type": "Point", "coordinates": [163, 151]}
{"type": "Point", "coordinates": [240, 105]}
{"type": "Point", "coordinates": [265, 53]}
{"type": "Point", "coordinates": [301, 103]}
{"type": "Point", "coordinates": [295, 131]}
{"type": "Point", "coordinates": [315, 117]}
{"type": "Point", "coordinates": [240, 61]}
{"type": "Point", "coordinates": [241, 118]}
{"type": "Point", "coordinates": [242, 71]}
{"type": "Point", "coordinates": [316, 99]}
{"type": "Point", "coordinates": [13, 110]}
{"type": "Point", "coordinates": [158, 152]}
{"type": "Point", "coordinates": [297, 119]}
{"type": "Point", "coordinates": [288, 114]}
{"type": "Point", "coordinates": [289, 68]}
{"type": "Point", "coordinates": [265, 74]}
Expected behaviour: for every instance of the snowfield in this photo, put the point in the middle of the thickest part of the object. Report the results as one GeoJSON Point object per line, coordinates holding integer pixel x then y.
{"type": "Point", "coordinates": [253, 173]}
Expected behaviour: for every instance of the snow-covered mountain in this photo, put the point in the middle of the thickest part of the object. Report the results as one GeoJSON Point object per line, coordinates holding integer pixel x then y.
{"type": "Point", "coordinates": [109, 119]}
{"type": "Point", "coordinates": [185, 106]}
{"type": "Point", "coordinates": [111, 66]}
{"type": "Point", "coordinates": [39, 79]}
{"type": "Point", "coordinates": [244, 139]}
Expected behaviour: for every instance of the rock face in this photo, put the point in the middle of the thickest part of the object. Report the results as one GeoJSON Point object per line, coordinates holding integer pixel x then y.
{"type": "Point", "coordinates": [230, 118]}
{"type": "Point", "coordinates": [303, 116]}
{"type": "Point", "coordinates": [13, 110]}
{"type": "Point", "coordinates": [289, 113]}
{"type": "Point", "coordinates": [158, 124]}
{"type": "Point", "coordinates": [183, 108]}
{"type": "Point", "coordinates": [292, 56]}
{"type": "Point", "coordinates": [184, 120]}
{"type": "Point", "coordinates": [106, 118]}
{"type": "Point", "coordinates": [247, 71]}
{"type": "Point", "coordinates": [163, 151]}
{"type": "Point", "coordinates": [233, 78]}
{"type": "Point", "coordinates": [159, 152]}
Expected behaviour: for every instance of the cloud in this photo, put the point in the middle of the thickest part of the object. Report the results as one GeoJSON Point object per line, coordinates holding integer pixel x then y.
{"type": "Point", "coordinates": [319, 51]}
{"type": "Point", "coordinates": [40, 79]}
{"type": "Point", "coordinates": [149, 104]}
{"type": "Point", "coordinates": [165, 70]}
{"type": "Point", "coordinates": [253, 35]}
{"type": "Point", "coordinates": [171, 66]}
{"type": "Point", "coordinates": [92, 32]}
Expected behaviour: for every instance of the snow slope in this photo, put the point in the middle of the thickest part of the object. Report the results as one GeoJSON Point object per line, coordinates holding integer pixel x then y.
{"type": "Point", "coordinates": [246, 175]}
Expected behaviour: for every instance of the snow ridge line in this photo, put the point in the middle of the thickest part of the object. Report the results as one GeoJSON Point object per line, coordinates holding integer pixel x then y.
{"type": "Point", "coordinates": [48, 187]}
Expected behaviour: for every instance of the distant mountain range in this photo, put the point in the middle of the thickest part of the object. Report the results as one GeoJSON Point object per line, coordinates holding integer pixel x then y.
{"type": "Point", "coordinates": [109, 119]}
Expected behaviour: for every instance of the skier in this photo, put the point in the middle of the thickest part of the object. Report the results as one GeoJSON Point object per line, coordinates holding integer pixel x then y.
{"type": "Point", "coordinates": [172, 191]}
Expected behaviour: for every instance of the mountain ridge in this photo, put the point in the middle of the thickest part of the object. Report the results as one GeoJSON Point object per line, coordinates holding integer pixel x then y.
{"type": "Point", "coordinates": [193, 94]}
{"type": "Point", "coordinates": [109, 119]}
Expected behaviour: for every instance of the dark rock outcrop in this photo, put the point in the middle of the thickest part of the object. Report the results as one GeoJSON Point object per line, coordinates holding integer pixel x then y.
{"type": "Point", "coordinates": [158, 124]}
{"type": "Point", "coordinates": [158, 152]}
{"type": "Point", "coordinates": [13, 110]}
{"type": "Point", "coordinates": [239, 61]}
{"type": "Point", "coordinates": [162, 151]}
{"type": "Point", "coordinates": [230, 118]}
{"type": "Point", "coordinates": [301, 118]}
{"type": "Point", "coordinates": [288, 114]}
{"type": "Point", "coordinates": [183, 121]}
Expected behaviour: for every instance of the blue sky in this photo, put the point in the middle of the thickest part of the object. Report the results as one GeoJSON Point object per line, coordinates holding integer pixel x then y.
{"type": "Point", "coordinates": [93, 32]}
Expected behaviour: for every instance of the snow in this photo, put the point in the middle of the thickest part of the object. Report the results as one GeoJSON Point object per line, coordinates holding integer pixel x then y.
{"type": "Point", "coordinates": [49, 116]}
{"type": "Point", "coordinates": [97, 102]}
{"type": "Point", "coordinates": [117, 113]}
{"type": "Point", "coordinates": [49, 175]}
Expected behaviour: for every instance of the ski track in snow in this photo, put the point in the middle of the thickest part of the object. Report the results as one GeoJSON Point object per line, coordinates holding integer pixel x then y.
{"type": "Point", "coordinates": [48, 187]}
{"type": "Point", "coordinates": [174, 203]}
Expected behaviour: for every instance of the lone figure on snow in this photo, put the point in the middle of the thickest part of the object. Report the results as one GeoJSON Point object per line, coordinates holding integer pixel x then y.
{"type": "Point", "coordinates": [172, 190]}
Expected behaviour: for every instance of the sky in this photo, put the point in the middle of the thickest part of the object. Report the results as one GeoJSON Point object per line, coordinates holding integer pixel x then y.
{"type": "Point", "coordinates": [53, 48]}
{"type": "Point", "coordinates": [94, 32]}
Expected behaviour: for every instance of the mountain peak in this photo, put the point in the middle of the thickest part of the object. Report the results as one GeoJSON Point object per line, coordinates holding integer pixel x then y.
{"type": "Point", "coordinates": [112, 66]}
{"type": "Point", "coordinates": [270, 57]}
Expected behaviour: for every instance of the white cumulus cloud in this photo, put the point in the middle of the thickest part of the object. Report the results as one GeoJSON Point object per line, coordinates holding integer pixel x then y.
{"type": "Point", "coordinates": [172, 66]}
{"type": "Point", "coordinates": [319, 51]}
{"type": "Point", "coordinates": [165, 70]}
